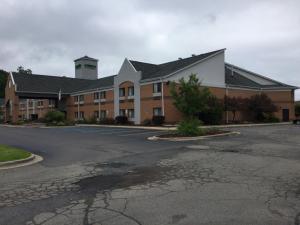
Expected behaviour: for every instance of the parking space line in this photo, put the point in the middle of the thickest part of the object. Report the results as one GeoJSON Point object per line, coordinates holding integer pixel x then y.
{"type": "Point", "coordinates": [139, 133]}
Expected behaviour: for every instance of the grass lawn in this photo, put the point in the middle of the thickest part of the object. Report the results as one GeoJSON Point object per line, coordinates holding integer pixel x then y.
{"type": "Point", "coordinates": [8, 153]}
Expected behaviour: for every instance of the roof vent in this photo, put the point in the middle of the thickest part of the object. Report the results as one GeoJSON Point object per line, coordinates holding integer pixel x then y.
{"type": "Point", "coordinates": [180, 58]}
{"type": "Point", "coordinates": [193, 55]}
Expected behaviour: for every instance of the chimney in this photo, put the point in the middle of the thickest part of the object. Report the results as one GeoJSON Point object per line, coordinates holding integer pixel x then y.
{"type": "Point", "coordinates": [86, 68]}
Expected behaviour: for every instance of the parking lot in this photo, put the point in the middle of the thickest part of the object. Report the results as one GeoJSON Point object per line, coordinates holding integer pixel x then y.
{"type": "Point", "coordinates": [103, 175]}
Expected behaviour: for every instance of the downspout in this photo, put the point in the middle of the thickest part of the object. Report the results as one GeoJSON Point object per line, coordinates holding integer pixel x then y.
{"type": "Point", "coordinates": [99, 106]}
{"type": "Point", "coordinates": [78, 108]}
{"type": "Point", "coordinates": [226, 94]}
{"type": "Point", "coordinates": [162, 98]}
{"type": "Point", "coordinates": [27, 109]}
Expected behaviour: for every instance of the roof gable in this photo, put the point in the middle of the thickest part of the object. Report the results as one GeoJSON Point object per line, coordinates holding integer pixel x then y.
{"type": "Point", "coordinates": [151, 71]}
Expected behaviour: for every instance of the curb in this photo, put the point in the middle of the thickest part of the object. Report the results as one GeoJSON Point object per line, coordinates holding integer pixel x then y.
{"type": "Point", "coordinates": [21, 162]}
{"type": "Point", "coordinates": [155, 138]}
{"type": "Point", "coordinates": [132, 127]}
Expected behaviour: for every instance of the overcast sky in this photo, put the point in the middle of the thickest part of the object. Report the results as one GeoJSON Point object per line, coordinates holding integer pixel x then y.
{"type": "Point", "coordinates": [47, 35]}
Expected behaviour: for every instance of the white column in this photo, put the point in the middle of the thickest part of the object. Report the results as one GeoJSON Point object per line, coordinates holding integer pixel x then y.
{"type": "Point", "coordinates": [99, 106]}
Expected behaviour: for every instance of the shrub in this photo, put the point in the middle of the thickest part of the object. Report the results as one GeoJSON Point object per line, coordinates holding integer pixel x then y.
{"type": "Point", "coordinates": [189, 127]}
{"type": "Point", "coordinates": [158, 120]}
{"type": "Point", "coordinates": [107, 121]}
{"type": "Point", "coordinates": [147, 122]}
{"type": "Point", "coordinates": [54, 117]}
{"type": "Point", "coordinates": [91, 120]}
{"type": "Point", "coordinates": [270, 118]}
{"type": "Point", "coordinates": [213, 113]}
{"type": "Point", "coordinates": [121, 120]}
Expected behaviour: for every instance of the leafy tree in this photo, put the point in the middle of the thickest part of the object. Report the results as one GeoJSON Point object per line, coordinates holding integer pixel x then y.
{"type": "Point", "coordinates": [297, 109]}
{"type": "Point", "coordinates": [21, 69]}
{"type": "Point", "coordinates": [3, 78]}
{"type": "Point", "coordinates": [261, 106]}
{"type": "Point", "coordinates": [234, 104]}
{"type": "Point", "coordinates": [189, 97]}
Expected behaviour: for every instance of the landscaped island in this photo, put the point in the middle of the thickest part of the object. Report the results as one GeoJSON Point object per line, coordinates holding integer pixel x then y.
{"type": "Point", "coordinates": [8, 153]}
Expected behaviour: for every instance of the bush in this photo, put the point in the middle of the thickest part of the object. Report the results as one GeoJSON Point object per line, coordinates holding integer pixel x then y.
{"type": "Point", "coordinates": [147, 122]}
{"type": "Point", "coordinates": [107, 121]}
{"type": "Point", "coordinates": [54, 117]}
{"type": "Point", "coordinates": [158, 120]}
{"type": "Point", "coordinates": [121, 120]}
{"type": "Point", "coordinates": [270, 119]}
{"type": "Point", "coordinates": [189, 127]}
{"type": "Point", "coordinates": [91, 120]}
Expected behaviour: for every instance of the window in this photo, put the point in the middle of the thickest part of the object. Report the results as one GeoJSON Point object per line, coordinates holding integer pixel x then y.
{"type": "Point", "coordinates": [81, 115]}
{"type": "Point", "coordinates": [75, 98]}
{"type": "Point", "coordinates": [157, 111]}
{"type": "Point", "coordinates": [91, 67]}
{"type": "Point", "coordinates": [122, 112]}
{"type": "Point", "coordinates": [103, 95]}
{"type": "Point", "coordinates": [157, 88]}
{"type": "Point", "coordinates": [96, 114]}
{"type": "Point", "coordinates": [96, 95]}
{"type": "Point", "coordinates": [131, 113]}
{"type": "Point", "coordinates": [81, 98]}
{"type": "Point", "coordinates": [130, 91]}
{"type": "Point", "coordinates": [121, 92]}
{"type": "Point", "coordinates": [51, 102]}
{"type": "Point", "coordinates": [40, 103]}
{"type": "Point", "coordinates": [78, 66]}
{"type": "Point", "coordinates": [76, 115]}
{"type": "Point", "coordinates": [103, 114]}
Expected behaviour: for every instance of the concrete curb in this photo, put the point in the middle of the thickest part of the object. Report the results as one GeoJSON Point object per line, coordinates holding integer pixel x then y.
{"type": "Point", "coordinates": [155, 138]}
{"type": "Point", "coordinates": [32, 159]}
{"type": "Point", "coordinates": [125, 126]}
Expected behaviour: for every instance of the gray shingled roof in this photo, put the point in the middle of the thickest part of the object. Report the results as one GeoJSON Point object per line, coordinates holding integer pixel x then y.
{"type": "Point", "coordinates": [151, 71]}
{"type": "Point", "coordinates": [233, 78]}
{"type": "Point", "coordinates": [53, 84]}
{"type": "Point", "coordinates": [85, 58]}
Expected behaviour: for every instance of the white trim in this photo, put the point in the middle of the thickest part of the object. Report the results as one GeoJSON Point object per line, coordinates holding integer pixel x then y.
{"type": "Point", "coordinates": [256, 74]}
{"type": "Point", "coordinates": [257, 89]}
{"type": "Point", "coordinates": [162, 98]}
{"type": "Point", "coordinates": [91, 91]}
{"type": "Point", "coordinates": [12, 78]}
{"type": "Point", "coordinates": [184, 68]}
{"type": "Point", "coordinates": [131, 65]}
{"type": "Point", "coordinates": [156, 94]}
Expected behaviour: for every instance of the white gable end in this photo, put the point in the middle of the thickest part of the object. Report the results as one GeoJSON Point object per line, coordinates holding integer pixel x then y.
{"type": "Point", "coordinates": [211, 71]}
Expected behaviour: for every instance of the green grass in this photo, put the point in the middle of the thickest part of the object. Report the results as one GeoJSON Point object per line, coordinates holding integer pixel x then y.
{"type": "Point", "coordinates": [8, 153]}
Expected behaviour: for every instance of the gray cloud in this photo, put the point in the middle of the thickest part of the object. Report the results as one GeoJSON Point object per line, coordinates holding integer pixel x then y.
{"type": "Point", "coordinates": [261, 35]}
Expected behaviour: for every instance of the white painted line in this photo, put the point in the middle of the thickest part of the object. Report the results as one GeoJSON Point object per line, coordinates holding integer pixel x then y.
{"type": "Point", "coordinates": [145, 132]}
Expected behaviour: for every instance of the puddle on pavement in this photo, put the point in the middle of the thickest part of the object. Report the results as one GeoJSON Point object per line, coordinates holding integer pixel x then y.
{"type": "Point", "coordinates": [135, 177]}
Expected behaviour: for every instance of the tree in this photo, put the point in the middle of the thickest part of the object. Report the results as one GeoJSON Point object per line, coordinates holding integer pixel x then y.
{"type": "Point", "coordinates": [189, 97]}
{"type": "Point", "coordinates": [3, 78]}
{"type": "Point", "coordinates": [21, 70]}
{"type": "Point", "coordinates": [297, 109]}
{"type": "Point", "coordinates": [261, 106]}
{"type": "Point", "coordinates": [234, 104]}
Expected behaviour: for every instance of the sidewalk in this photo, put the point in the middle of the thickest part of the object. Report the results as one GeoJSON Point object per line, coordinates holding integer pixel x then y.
{"type": "Point", "coordinates": [170, 128]}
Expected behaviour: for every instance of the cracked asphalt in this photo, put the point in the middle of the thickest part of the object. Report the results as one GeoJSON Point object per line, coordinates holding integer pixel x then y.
{"type": "Point", "coordinates": [114, 176]}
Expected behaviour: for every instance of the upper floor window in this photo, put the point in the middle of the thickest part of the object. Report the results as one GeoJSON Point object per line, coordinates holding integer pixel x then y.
{"type": "Point", "coordinates": [79, 98]}
{"type": "Point", "coordinates": [103, 95]}
{"type": "Point", "coordinates": [131, 91]}
{"type": "Point", "coordinates": [51, 102]}
{"type": "Point", "coordinates": [40, 103]}
{"type": "Point", "coordinates": [121, 92]}
{"type": "Point", "coordinates": [96, 95]}
{"type": "Point", "coordinates": [157, 88]}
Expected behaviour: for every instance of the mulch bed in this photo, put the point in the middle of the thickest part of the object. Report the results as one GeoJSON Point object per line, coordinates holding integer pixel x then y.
{"type": "Point", "coordinates": [205, 133]}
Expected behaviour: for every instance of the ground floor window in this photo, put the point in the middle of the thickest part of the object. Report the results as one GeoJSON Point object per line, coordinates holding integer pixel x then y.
{"type": "Point", "coordinates": [96, 114]}
{"type": "Point", "coordinates": [81, 115]}
{"type": "Point", "coordinates": [103, 114]}
{"type": "Point", "coordinates": [122, 112]}
{"type": "Point", "coordinates": [131, 113]}
{"type": "Point", "coordinates": [157, 111]}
